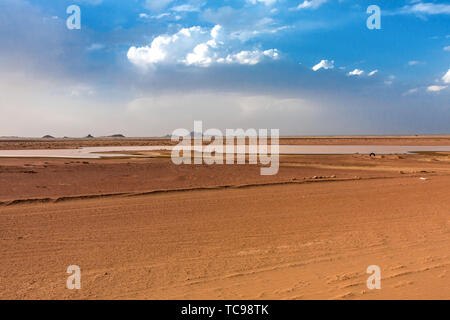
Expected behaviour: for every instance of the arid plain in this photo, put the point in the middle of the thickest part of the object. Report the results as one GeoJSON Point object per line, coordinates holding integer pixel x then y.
{"type": "Point", "coordinates": [144, 228]}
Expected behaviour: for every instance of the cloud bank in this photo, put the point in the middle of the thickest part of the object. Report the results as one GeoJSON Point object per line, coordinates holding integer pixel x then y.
{"type": "Point", "coordinates": [196, 46]}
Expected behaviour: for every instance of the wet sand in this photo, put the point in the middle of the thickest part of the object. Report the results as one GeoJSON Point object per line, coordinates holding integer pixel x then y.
{"type": "Point", "coordinates": [125, 151]}
{"type": "Point", "coordinates": [144, 228]}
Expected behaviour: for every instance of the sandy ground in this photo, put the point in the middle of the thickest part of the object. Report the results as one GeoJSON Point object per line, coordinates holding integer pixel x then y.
{"type": "Point", "coordinates": [146, 229]}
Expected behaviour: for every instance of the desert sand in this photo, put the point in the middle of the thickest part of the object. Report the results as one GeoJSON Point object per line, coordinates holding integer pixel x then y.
{"type": "Point", "coordinates": [143, 228]}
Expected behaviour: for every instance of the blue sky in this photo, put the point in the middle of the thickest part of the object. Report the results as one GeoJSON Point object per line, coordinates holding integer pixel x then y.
{"type": "Point", "coordinates": [143, 67]}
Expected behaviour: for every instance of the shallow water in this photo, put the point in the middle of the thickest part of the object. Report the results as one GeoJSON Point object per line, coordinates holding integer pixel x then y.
{"type": "Point", "coordinates": [363, 149]}
{"type": "Point", "coordinates": [99, 152]}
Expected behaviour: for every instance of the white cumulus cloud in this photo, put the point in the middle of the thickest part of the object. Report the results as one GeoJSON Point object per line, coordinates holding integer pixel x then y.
{"type": "Point", "coordinates": [164, 47]}
{"type": "Point", "coordinates": [201, 56]}
{"type": "Point", "coordinates": [446, 77]}
{"type": "Point", "coordinates": [250, 57]}
{"type": "Point", "coordinates": [195, 46]}
{"type": "Point", "coordinates": [324, 64]}
{"type": "Point", "coordinates": [436, 88]}
{"type": "Point", "coordinates": [371, 73]}
{"type": "Point", "coordinates": [427, 8]}
{"type": "Point", "coordinates": [266, 2]}
{"type": "Point", "coordinates": [310, 4]}
{"type": "Point", "coordinates": [356, 72]}
{"type": "Point", "coordinates": [411, 91]}
{"type": "Point", "coordinates": [185, 8]}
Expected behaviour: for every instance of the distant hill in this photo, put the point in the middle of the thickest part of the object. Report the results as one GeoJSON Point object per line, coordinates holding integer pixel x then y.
{"type": "Point", "coordinates": [117, 136]}
{"type": "Point", "coordinates": [89, 136]}
{"type": "Point", "coordinates": [47, 136]}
